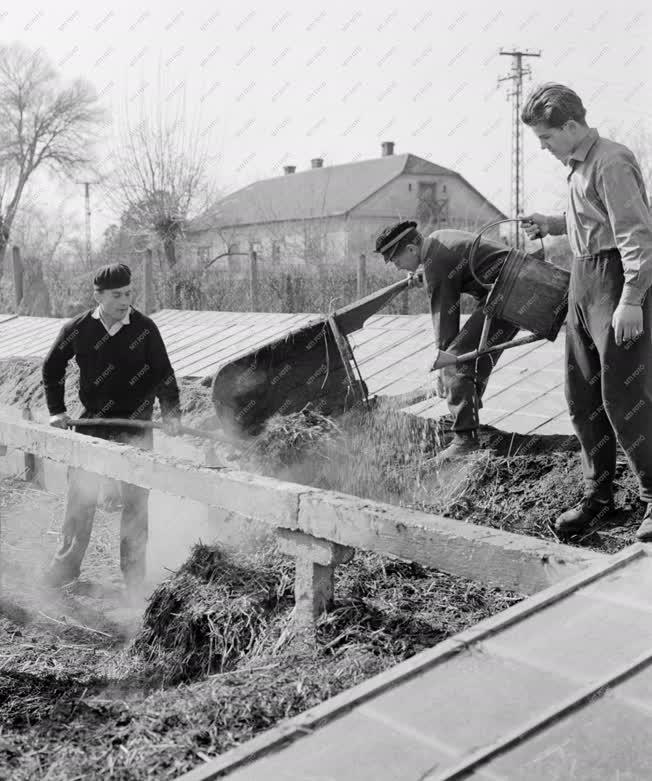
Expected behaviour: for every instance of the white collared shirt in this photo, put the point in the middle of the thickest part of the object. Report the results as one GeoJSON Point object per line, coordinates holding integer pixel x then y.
{"type": "Point", "coordinates": [113, 330]}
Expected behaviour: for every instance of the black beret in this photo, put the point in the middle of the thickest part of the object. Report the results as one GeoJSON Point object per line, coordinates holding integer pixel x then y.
{"type": "Point", "coordinates": [390, 239]}
{"type": "Point", "coordinates": [112, 276]}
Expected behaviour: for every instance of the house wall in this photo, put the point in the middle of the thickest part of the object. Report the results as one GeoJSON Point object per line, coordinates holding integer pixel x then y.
{"type": "Point", "coordinates": [339, 239]}
{"type": "Point", "coordinates": [465, 209]}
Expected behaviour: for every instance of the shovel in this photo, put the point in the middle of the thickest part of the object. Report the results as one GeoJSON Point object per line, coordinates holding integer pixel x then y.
{"type": "Point", "coordinates": [145, 424]}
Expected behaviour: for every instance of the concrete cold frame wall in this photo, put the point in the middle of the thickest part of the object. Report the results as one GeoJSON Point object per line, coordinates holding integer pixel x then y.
{"type": "Point", "coordinates": [176, 523]}
{"type": "Point", "coordinates": [487, 555]}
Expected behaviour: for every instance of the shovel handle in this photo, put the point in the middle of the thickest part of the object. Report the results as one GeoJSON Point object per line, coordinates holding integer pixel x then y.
{"type": "Point", "coordinates": [144, 424]}
{"type": "Point", "coordinates": [498, 347]}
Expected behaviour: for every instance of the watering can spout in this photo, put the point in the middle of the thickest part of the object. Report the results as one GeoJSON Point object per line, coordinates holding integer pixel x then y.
{"type": "Point", "coordinates": [444, 359]}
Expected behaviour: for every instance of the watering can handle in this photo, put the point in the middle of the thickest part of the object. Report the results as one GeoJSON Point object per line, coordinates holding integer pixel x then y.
{"type": "Point", "coordinates": [476, 242]}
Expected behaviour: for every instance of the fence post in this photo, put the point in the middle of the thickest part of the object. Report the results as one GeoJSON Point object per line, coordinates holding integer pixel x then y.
{"type": "Point", "coordinates": [362, 276]}
{"type": "Point", "coordinates": [405, 303]}
{"type": "Point", "coordinates": [29, 459]}
{"type": "Point", "coordinates": [253, 280]}
{"type": "Point", "coordinates": [148, 288]}
{"type": "Point", "coordinates": [18, 276]}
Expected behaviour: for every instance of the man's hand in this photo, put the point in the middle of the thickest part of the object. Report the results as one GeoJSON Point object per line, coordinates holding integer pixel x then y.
{"type": "Point", "coordinates": [535, 225]}
{"type": "Point", "coordinates": [172, 427]}
{"type": "Point", "coordinates": [627, 322]}
{"type": "Point", "coordinates": [415, 279]}
{"type": "Point", "coordinates": [439, 384]}
{"type": "Point", "coordinates": [437, 380]}
{"type": "Point", "coordinates": [62, 420]}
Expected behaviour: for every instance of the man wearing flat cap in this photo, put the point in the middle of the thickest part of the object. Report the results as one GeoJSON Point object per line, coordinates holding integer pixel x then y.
{"type": "Point", "coordinates": [123, 367]}
{"type": "Point", "coordinates": [447, 275]}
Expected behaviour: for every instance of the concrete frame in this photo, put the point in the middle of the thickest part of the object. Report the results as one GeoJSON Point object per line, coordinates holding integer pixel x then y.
{"type": "Point", "coordinates": [318, 528]}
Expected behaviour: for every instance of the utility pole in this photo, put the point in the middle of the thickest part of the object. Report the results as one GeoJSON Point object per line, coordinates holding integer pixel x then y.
{"type": "Point", "coordinates": [87, 197]}
{"type": "Point", "coordinates": [516, 77]}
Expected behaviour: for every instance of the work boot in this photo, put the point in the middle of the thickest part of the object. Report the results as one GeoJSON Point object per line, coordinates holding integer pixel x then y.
{"type": "Point", "coordinates": [589, 512]}
{"type": "Point", "coordinates": [644, 533]}
{"type": "Point", "coordinates": [56, 576]}
{"type": "Point", "coordinates": [463, 444]}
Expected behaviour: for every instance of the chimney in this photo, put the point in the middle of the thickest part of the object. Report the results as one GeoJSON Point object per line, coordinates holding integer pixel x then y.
{"type": "Point", "coordinates": [289, 169]}
{"type": "Point", "coordinates": [317, 162]}
{"type": "Point", "coordinates": [388, 148]}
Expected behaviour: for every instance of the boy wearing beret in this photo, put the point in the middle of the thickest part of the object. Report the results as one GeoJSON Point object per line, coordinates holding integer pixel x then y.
{"type": "Point", "coordinates": [123, 367]}
{"type": "Point", "coordinates": [444, 256]}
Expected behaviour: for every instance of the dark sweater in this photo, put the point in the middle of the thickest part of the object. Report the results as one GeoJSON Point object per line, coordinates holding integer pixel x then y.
{"type": "Point", "coordinates": [119, 376]}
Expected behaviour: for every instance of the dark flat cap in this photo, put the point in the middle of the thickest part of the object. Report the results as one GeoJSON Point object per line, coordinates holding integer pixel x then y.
{"type": "Point", "coordinates": [112, 276]}
{"type": "Point", "coordinates": [388, 241]}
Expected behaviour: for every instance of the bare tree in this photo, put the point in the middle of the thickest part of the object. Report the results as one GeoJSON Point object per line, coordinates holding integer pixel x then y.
{"type": "Point", "coordinates": [159, 173]}
{"type": "Point", "coordinates": [43, 124]}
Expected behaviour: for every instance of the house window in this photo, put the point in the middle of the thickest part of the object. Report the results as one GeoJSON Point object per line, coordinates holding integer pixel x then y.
{"type": "Point", "coordinates": [204, 254]}
{"type": "Point", "coordinates": [410, 187]}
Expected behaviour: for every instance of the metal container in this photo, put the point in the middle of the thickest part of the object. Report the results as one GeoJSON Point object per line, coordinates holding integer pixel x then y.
{"type": "Point", "coordinates": [529, 292]}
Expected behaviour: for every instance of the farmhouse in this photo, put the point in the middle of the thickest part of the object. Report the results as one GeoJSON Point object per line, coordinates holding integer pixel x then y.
{"type": "Point", "coordinates": [332, 213]}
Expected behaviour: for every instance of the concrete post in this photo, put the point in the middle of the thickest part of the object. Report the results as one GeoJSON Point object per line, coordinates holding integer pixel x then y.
{"type": "Point", "coordinates": [316, 560]}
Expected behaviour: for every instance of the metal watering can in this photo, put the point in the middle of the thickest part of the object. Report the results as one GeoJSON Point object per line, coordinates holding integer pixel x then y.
{"type": "Point", "coordinates": [528, 292]}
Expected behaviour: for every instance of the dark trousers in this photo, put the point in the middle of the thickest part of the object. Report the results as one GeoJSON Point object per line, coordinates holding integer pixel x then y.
{"type": "Point", "coordinates": [608, 388]}
{"type": "Point", "coordinates": [81, 503]}
{"type": "Point", "coordinates": [465, 389]}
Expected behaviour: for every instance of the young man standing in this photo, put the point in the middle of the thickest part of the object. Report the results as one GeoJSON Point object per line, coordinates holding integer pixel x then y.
{"type": "Point", "coordinates": [608, 347]}
{"type": "Point", "coordinates": [444, 255]}
{"type": "Point", "coordinates": [123, 366]}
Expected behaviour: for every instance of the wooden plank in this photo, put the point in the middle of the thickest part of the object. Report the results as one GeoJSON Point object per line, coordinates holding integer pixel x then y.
{"type": "Point", "coordinates": [490, 555]}
{"type": "Point", "coordinates": [271, 501]}
{"type": "Point", "coordinates": [518, 562]}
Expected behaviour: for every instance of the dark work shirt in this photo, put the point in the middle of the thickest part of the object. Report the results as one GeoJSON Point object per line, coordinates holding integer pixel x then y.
{"type": "Point", "coordinates": [447, 275]}
{"type": "Point", "coordinates": [119, 375]}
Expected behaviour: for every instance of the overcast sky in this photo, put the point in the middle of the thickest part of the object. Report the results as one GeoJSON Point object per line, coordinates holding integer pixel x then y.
{"type": "Point", "coordinates": [282, 83]}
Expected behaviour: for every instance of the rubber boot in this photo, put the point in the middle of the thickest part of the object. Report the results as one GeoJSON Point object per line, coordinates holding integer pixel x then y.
{"type": "Point", "coordinates": [589, 512]}
{"type": "Point", "coordinates": [464, 443]}
{"type": "Point", "coordinates": [644, 533]}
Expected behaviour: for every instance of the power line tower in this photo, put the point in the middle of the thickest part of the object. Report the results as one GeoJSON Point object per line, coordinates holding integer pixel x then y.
{"type": "Point", "coordinates": [516, 95]}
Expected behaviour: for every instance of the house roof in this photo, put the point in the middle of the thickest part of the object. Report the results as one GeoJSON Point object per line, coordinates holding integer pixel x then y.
{"type": "Point", "coordinates": [317, 192]}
